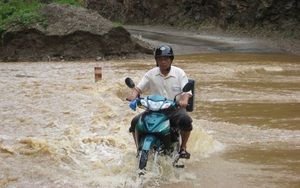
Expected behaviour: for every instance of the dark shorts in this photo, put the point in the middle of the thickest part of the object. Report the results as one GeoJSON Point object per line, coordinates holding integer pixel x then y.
{"type": "Point", "coordinates": [179, 118]}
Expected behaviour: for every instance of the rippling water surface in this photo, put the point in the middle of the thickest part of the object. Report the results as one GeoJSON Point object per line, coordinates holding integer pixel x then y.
{"type": "Point", "coordinates": [61, 129]}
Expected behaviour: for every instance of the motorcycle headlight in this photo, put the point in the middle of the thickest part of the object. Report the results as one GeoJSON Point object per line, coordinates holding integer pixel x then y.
{"type": "Point", "coordinates": [155, 105]}
{"type": "Point", "coordinates": [166, 105]}
{"type": "Point", "coordinates": [144, 103]}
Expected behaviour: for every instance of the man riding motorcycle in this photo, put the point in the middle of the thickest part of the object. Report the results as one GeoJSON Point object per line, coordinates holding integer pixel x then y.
{"type": "Point", "coordinates": [167, 80]}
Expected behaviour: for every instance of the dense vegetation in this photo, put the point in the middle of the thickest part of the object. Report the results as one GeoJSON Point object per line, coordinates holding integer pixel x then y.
{"type": "Point", "coordinates": [16, 14]}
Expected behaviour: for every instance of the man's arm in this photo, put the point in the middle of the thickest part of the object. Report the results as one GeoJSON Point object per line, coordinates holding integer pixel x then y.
{"type": "Point", "coordinates": [134, 95]}
{"type": "Point", "coordinates": [184, 99]}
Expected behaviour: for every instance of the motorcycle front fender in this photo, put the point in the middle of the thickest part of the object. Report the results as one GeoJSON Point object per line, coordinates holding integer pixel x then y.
{"type": "Point", "coordinates": [147, 142]}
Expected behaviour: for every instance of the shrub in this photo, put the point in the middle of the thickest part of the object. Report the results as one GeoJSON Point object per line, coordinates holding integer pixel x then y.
{"type": "Point", "coordinates": [16, 14]}
{"type": "Point", "coordinates": [70, 2]}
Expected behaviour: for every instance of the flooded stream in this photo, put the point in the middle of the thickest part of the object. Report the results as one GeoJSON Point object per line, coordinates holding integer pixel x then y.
{"type": "Point", "coordinates": [60, 128]}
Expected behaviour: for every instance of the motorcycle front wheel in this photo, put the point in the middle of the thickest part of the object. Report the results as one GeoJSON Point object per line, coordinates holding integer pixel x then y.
{"type": "Point", "coordinates": [143, 159]}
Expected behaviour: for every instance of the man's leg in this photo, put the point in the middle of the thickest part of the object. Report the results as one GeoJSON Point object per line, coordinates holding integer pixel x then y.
{"type": "Point", "coordinates": [182, 119]}
{"type": "Point", "coordinates": [133, 134]}
{"type": "Point", "coordinates": [185, 137]}
{"type": "Point", "coordinates": [132, 127]}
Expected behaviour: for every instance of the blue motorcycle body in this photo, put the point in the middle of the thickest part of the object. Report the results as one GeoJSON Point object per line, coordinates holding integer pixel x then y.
{"type": "Point", "coordinates": [153, 130]}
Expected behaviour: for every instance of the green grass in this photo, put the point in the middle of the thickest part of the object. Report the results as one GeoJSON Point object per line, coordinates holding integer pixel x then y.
{"type": "Point", "coordinates": [17, 14]}
{"type": "Point", "coordinates": [70, 2]}
{"type": "Point", "coordinates": [118, 24]}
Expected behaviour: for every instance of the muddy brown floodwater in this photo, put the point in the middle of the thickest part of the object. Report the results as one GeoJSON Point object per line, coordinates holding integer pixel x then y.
{"type": "Point", "coordinates": [61, 129]}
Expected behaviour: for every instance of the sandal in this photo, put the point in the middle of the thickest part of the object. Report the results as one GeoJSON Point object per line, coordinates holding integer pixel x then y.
{"type": "Point", "coordinates": [184, 154]}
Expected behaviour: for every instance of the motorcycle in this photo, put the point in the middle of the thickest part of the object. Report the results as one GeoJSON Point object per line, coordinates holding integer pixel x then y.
{"type": "Point", "coordinates": [154, 133]}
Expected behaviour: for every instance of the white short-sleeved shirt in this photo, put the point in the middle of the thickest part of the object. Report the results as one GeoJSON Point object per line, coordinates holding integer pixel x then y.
{"type": "Point", "coordinates": [168, 86]}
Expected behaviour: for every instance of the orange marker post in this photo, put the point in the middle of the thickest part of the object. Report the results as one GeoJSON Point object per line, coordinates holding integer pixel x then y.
{"type": "Point", "coordinates": [98, 73]}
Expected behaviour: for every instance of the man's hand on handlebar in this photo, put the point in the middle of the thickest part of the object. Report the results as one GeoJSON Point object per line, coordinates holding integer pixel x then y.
{"type": "Point", "coordinates": [182, 104]}
{"type": "Point", "coordinates": [135, 94]}
{"type": "Point", "coordinates": [130, 98]}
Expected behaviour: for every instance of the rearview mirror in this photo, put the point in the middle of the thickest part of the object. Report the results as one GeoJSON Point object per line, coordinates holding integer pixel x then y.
{"type": "Point", "coordinates": [129, 83]}
{"type": "Point", "coordinates": [187, 87]}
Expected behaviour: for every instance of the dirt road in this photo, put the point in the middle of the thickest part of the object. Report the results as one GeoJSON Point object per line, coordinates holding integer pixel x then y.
{"type": "Point", "coordinates": [191, 42]}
